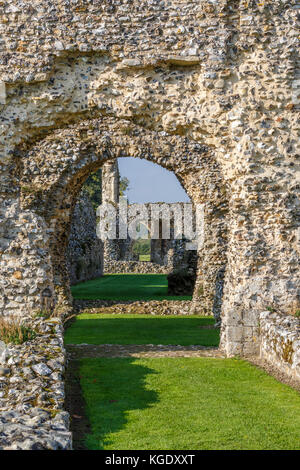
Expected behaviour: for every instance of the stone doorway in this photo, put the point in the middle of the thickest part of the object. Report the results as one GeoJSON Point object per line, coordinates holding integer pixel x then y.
{"type": "Point", "coordinates": [50, 187]}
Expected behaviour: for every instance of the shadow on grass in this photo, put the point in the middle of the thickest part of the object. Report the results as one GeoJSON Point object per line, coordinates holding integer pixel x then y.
{"type": "Point", "coordinates": [111, 388]}
{"type": "Point", "coordinates": [96, 329]}
{"type": "Point", "coordinates": [125, 287]}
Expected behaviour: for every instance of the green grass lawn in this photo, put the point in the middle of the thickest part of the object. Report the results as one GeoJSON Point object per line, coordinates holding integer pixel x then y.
{"type": "Point", "coordinates": [174, 403]}
{"type": "Point", "coordinates": [144, 257]}
{"type": "Point", "coordinates": [187, 403]}
{"type": "Point", "coordinates": [125, 287]}
{"type": "Point", "coordinates": [141, 329]}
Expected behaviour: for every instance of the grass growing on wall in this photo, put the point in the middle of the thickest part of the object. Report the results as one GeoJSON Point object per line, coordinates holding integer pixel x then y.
{"type": "Point", "coordinates": [141, 329]}
{"type": "Point", "coordinates": [126, 287]}
{"type": "Point", "coordinates": [13, 331]}
{"type": "Point", "coordinates": [187, 403]}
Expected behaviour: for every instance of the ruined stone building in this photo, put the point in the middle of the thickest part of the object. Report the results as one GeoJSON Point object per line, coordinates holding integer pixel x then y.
{"type": "Point", "coordinates": [206, 89]}
{"type": "Point", "coordinates": [166, 254]}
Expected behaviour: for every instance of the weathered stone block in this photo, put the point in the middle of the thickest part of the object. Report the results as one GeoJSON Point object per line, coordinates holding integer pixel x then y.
{"type": "Point", "coordinates": [2, 92]}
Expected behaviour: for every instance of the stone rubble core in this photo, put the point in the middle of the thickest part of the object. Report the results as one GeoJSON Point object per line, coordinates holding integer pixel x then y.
{"type": "Point", "coordinates": [85, 250]}
{"type": "Point", "coordinates": [280, 342]}
{"type": "Point", "coordinates": [207, 89]}
{"type": "Point", "coordinates": [134, 267]}
{"type": "Point", "coordinates": [32, 395]}
{"type": "Point", "coordinates": [140, 307]}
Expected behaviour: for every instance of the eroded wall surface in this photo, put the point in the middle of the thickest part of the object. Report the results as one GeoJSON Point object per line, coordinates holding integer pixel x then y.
{"type": "Point", "coordinates": [85, 249]}
{"type": "Point", "coordinates": [280, 342]}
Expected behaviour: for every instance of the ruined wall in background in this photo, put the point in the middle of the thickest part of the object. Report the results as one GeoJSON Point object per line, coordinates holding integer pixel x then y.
{"type": "Point", "coordinates": [85, 249]}
{"type": "Point", "coordinates": [167, 255]}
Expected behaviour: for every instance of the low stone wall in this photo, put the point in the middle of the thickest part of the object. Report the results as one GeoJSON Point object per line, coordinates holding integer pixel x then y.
{"type": "Point", "coordinates": [280, 342]}
{"type": "Point", "coordinates": [134, 267]}
{"type": "Point", "coordinates": [152, 307]}
{"type": "Point", "coordinates": [32, 396]}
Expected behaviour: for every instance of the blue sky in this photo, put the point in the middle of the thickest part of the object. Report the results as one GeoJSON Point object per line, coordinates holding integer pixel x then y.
{"type": "Point", "coordinates": [150, 182]}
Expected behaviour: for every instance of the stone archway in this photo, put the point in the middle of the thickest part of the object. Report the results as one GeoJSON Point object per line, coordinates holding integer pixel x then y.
{"type": "Point", "coordinates": [49, 188]}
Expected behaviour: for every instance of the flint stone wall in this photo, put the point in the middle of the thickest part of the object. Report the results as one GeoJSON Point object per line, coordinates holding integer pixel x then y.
{"type": "Point", "coordinates": [32, 395]}
{"type": "Point", "coordinates": [141, 307]}
{"type": "Point", "coordinates": [280, 342]}
{"type": "Point", "coordinates": [85, 249]}
{"type": "Point", "coordinates": [137, 267]}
